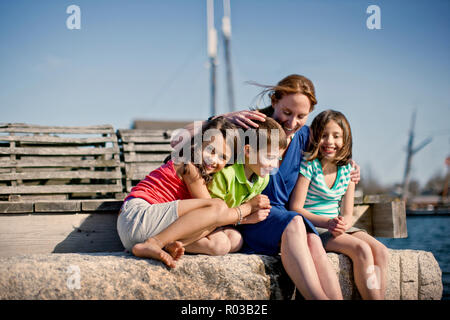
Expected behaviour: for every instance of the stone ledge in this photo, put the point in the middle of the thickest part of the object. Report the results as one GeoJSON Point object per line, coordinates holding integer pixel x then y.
{"type": "Point", "coordinates": [412, 275]}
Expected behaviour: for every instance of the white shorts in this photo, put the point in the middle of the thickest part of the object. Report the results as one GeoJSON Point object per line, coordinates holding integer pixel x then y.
{"type": "Point", "coordinates": [139, 220]}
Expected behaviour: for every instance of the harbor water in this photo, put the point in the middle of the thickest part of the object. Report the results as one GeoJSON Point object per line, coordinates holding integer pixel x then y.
{"type": "Point", "coordinates": [428, 233]}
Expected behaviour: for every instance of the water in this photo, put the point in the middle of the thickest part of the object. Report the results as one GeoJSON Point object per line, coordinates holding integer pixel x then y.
{"type": "Point", "coordinates": [428, 233]}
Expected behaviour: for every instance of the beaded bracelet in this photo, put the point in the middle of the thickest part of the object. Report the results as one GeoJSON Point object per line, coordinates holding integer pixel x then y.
{"type": "Point", "coordinates": [240, 216]}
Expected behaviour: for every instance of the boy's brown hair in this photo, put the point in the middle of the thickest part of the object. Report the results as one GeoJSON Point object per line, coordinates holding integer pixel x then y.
{"type": "Point", "coordinates": [258, 138]}
{"type": "Point", "coordinates": [265, 129]}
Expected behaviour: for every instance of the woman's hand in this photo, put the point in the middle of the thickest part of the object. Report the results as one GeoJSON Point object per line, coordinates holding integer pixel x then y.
{"type": "Point", "coordinates": [355, 173]}
{"type": "Point", "coordinates": [244, 118]}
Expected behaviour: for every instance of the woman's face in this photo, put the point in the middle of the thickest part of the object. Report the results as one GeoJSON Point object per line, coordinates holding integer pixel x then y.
{"type": "Point", "coordinates": [291, 112]}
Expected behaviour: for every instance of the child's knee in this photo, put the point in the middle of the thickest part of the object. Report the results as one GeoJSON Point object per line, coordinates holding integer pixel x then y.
{"type": "Point", "coordinates": [219, 245]}
{"type": "Point", "coordinates": [315, 246]}
{"type": "Point", "coordinates": [381, 253]}
{"type": "Point", "coordinates": [218, 207]}
{"type": "Point", "coordinates": [362, 251]}
{"type": "Point", "coordinates": [296, 227]}
{"type": "Point", "coordinates": [235, 239]}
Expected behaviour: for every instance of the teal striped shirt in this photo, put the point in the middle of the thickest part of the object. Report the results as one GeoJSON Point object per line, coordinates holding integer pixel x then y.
{"type": "Point", "coordinates": [320, 199]}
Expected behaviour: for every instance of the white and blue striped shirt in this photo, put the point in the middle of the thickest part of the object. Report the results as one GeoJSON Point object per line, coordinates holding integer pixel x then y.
{"type": "Point", "coordinates": [320, 199]}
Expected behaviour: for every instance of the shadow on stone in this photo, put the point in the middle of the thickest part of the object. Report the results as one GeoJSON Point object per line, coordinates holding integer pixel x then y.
{"type": "Point", "coordinates": [96, 233]}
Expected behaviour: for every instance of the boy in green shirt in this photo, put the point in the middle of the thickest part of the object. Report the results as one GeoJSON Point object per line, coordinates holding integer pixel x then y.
{"type": "Point", "coordinates": [243, 182]}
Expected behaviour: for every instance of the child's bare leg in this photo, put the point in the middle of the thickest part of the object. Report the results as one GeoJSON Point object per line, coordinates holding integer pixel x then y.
{"type": "Point", "coordinates": [361, 255]}
{"type": "Point", "coordinates": [235, 238]}
{"type": "Point", "coordinates": [216, 243]}
{"type": "Point", "coordinates": [175, 249]}
{"type": "Point", "coordinates": [327, 276]}
{"type": "Point", "coordinates": [297, 260]}
{"type": "Point", "coordinates": [381, 260]}
{"type": "Point", "coordinates": [194, 216]}
{"type": "Point", "coordinates": [152, 248]}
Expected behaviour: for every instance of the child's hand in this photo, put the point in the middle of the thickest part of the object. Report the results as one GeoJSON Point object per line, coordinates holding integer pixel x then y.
{"type": "Point", "coordinates": [337, 226]}
{"type": "Point", "coordinates": [257, 216]}
{"type": "Point", "coordinates": [258, 202]}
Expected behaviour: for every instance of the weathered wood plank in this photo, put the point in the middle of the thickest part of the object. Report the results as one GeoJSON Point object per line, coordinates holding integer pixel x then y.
{"type": "Point", "coordinates": [101, 205]}
{"type": "Point", "coordinates": [157, 157]}
{"type": "Point", "coordinates": [85, 174]}
{"type": "Point", "coordinates": [24, 128]}
{"type": "Point", "coordinates": [59, 233]}
{"type": "Point", "coordinates": [34, 197]}
{"type": "Point", "coordinates": [96, 188]}
{"type": "Point", "coordinates": [16, 207]}
{"type": "Point", "coordinates": [132, 133]}
{"type": "Point", "coordinates": [140, 173]}
{"type": "Point", "coordinates": [62, 162]}
{"type": "Point", "coordinates": [362, 218]}
{"type": "Point", "coordinates": [57, 206]}
{"type": "Point", "coordinates": [389, 219]}
{"type": "Point", "coordinates": [60, 151]}
{"type": "Point", "coordinates": [146, 139]}
{"type": "Point", "coordinates": [58, 140]}
{"type": "Point", "coordinates": [147, 148]}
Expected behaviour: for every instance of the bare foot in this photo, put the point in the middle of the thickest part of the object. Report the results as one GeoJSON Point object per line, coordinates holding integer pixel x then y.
{"type": "Point", "coordinates": [175, 249]}
{"type": "Point", "coordinates": [151, 249]}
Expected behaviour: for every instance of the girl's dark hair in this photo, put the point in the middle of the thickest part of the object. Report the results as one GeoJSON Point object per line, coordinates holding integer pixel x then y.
{"type": "Point", "coordinates": [196, 145]}
{"type": "Point", "coordinates": [316, 130]}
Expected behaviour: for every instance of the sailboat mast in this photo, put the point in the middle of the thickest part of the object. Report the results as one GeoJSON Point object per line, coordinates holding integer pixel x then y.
{"type": "Point", "coordinates": [226, 31]}
{"type": "Point", "coordinates": [212, 53]}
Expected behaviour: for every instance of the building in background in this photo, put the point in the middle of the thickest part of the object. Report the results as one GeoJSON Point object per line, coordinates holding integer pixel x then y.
{"type": "Point", "coordinates": [158, 124]}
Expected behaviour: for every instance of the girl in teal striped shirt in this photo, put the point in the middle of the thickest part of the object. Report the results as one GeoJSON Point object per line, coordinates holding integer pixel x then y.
{"type": "Point", "coordinates": [324, 195]}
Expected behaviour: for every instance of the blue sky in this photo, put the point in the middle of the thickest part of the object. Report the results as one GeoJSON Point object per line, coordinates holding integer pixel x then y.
{"type": "Point", "coordinates": [147, 60]}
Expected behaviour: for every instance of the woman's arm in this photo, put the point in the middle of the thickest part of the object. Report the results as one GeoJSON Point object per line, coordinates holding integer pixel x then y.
{"type": "Point", "coordinates": [241, 118]}
{"type": "Point", "coordinates": [355, 173]}
{"type": "Point", "coordinates": [244, 118]}
{"type": "Point", "coordinates": [297, 201]}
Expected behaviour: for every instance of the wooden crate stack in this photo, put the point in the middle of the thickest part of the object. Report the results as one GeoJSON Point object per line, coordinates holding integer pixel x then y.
{"type": "Point", "coordinates": [142, 152]}
{"type": "Point", "coordinates": [58, 164]}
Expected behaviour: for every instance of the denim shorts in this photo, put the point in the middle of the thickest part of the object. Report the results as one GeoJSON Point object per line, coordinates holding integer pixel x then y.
{"type": "Point", "coordinates": [139, 220]}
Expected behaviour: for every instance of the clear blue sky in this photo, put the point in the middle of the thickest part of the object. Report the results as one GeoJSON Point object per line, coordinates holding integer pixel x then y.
{"type": "Point", "coordinates": [147, 60]}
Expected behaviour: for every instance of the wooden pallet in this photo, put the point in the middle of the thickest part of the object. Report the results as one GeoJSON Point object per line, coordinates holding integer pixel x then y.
{"type": "Point", "coordinates": [142, 152]}
{"type": "Point", "coordinates": [59, 163]}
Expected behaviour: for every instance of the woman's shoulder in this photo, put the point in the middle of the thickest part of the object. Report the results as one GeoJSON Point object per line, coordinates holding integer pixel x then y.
{"type": "Point", "coordinates": [304, 131]}
{"type": "Point", "coordinates": [302, 136]}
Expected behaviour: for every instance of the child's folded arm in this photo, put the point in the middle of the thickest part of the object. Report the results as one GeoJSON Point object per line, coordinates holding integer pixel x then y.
{"type": "Point", "coordinates": [347, 204]}
{"type": "Point", "coordinates": [195, 183]}
{"type": "Point", "coordinates": [297, 201]}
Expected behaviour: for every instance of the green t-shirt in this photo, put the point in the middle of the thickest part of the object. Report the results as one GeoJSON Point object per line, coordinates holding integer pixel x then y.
{"type": "Point", "coordinates": [231, 185]}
